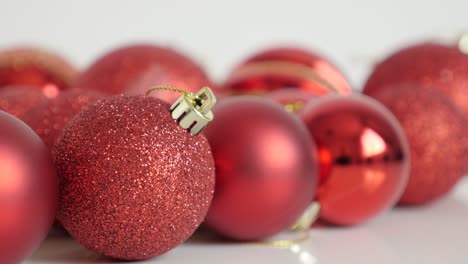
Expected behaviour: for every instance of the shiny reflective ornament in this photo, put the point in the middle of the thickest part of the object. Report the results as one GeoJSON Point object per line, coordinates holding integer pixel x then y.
{"type": "Point", "coordinates": [281, 68]}
{"type": "Point", "coordinates": [49, 121]}
{"type": "Point", "coordinates": [438, 138]}
{"type": "Point", "coordinates": [429, 65]}
{"type": "Point", "coordinates": [365, 153]}
{"type": "Point", "coordinates": [36, 68]}
{"type": "Point", "coordinates": [133, 183]}
{"type": "Point", "coordinates": [132, 69]}
{"type": "Point", "coordinates": [293, 100]}
{"type": "Point", "coordinates": [266, 170]}
{"type": "Point", "coordinates": [28, 190]}
{"type": "Point", "coordinates": [21, 100]}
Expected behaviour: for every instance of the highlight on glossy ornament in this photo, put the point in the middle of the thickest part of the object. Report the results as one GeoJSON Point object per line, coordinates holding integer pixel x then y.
{"type": "Point", "coordinates": [286, 68]}
{"type": "Point", "coordinates": [37, 68]}
{"type": "Point", "coordinates": [135, 183]}
{"type": "Point", "coordinates": [20, 101]}
{"type": "Point", "coordinates": [438, 137]}
{"type": "Point", "coordinates": [427, 64]}
{"type": "Point", "coordinates": [365, 152]}
{"type": "Point", "coordinates": [28, 190]}
{"type": "Point", "coordinates": [132, 69]}
{"type": "Point", "coordinates": [266, 171]}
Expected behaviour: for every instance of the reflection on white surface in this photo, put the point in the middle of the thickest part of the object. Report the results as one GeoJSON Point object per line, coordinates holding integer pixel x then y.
{"type": "Point", "coordinates": [432, 234]}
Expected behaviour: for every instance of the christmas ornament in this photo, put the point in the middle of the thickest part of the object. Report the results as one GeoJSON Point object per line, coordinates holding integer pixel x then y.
{"type": "Point", "coordinates": [133, 69]}
{"type": "Point", "coordinates": [133, 182]}
{"type": "Point", "coordinates": [37, 68]}
{"type": "Point", "coordinates": [438, 137]}
{"type": "Point", "coordinates": [293, 100]}
{"type": "Point", "coordinates": [367, 155]}
{"type": "Point", "coordinates": [20, 100]}
{"type": "Point", "coordinates": [280, 68]}
{"type": "Point", "coordinates": [28, 190]}
{"type": "Point", "coordinates": [49, 121]}
{"type": "Point", "coordinates": [265, 168]}
{"type": "Point", "coordinates": [426, 64]}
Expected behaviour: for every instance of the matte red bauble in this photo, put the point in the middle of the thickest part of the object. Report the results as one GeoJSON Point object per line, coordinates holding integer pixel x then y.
{"type": "Point", "coordinates": [281, 68]}
{"type": "Point", "coordinates": [133, 183]}
{"type": "Point", "coordinates": [49, 121]}
{"type": "Point", "coordinates": [20, 100]}
{"type": "Point", "coordinates": [366, 153]}
{"type": "Point", "coordinates": [28, 190]}
{"type": "Point", "coordinates": [428, 65]}
{"type": "Point", "coordinates": [293, 100]}
{"type": "Point", "coordinates": [266, 172]}
{"type": "Point", "coordinates": [36, 68]}
{"type": "Point", "coordinates": [438, 137]}
{"type": "Point", "coordinates": [133, 69]}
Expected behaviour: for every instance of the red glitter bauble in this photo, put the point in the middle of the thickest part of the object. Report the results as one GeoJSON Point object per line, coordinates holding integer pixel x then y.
{"type": "Point", "coordinates": [134, 69]}
{"type": "Point", "coordinates": [21, 100]}
{"type": "Point", "coordinates": [293, 100]}
{"type": "Point", "coordinates": [438, 137]}
{"type": "Point", "coordinates": [266, 169]}
{"type": "Point", "coordinates": [367, 153]}
{"type": "Point", "coordinates": [280, 68]}
{"type": "Point", "coordinates": [429, 65]}
{"type": "Point", "coordinates": [36, 68]}
{"type": "Point", "coordinates": [49, 121]}
{"type": "Point", "coordinates": [133, 183]}
{"type": "Point", "coordinates": [28, 190]}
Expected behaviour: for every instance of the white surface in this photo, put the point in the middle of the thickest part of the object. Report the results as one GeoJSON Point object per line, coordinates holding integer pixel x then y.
{"type": "Point", "coordinates": [220, 34]}
{"type": "Point", "coordinates": [433, 234]}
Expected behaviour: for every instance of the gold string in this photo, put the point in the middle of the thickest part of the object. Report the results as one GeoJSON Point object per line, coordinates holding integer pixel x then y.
{"type": "Point", "coordinates": [167, 88]}
{"type": "Point", "coordinates": [284, 243]}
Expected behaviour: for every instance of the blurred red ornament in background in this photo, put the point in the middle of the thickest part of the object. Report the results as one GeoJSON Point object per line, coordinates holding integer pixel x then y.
{"type": "Point", "coordinates": [364, 151]}
{"type": "Point", "coordinates": [136, 68]}
{"type": "Point", "coordinates": [49, 121]}
{"type": "Point", "coordinates": [293, 100]}
{"type": "Point", "coordinates": [36, 68]}
{"type": "Point", "coordinates": [20, 100]}
{"type": "Point", "coordinates": [281, 68]}
{"type": "Point", "coordinates": [266, 171]}
{"type": "Point", "coordinates": [429, 65]}
{"type": "Point", "coordinates": [438, 138]}
{"type": "Point", "coordinates": [28, 190]}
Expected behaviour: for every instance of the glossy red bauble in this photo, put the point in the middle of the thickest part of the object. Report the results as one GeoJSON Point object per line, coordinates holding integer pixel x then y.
{"type": "Point", "coordinates": [266, 172]}
{"type": "Point", "coordinates": [429, 65]}
{"type": "Point", "coordinates": [136, 68]}
{"type": "Point", "coordinates": [438, 138]}
{"type": "Point", "coordinates": [36, 68]}
{"type": "Point", "coordinates": [133, 183]}
{"type": "Point", "coordinates": [364, 151]}
{"type": "Point", "coordinates": [281, 68]}
{"type": "Point", "coordinates": [293, 100]}
{"type": "Point", "coordinates": [28, 190]}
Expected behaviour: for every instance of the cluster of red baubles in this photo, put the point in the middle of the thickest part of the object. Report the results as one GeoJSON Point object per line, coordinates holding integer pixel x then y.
{"type": "Point", "coordinates": [130, 183]}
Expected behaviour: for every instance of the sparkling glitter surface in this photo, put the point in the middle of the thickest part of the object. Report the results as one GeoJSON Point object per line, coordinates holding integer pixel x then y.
{"type": "Point", "coordinates": [134, 69]}
{"type": "Point", "coordinates": [19, 100]}
{"type": "Point", "coordinates": [428, 64]}
{"type": "Point", "coordinates": [49, 121]}
{"type": "Point", "coordinates": [133, 183]}
{"type": "Point", "coordinates": [437, 134]}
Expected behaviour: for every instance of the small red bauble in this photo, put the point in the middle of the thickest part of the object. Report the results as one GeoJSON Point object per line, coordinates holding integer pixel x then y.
{"type": "Point", "coordinates": [266, 171]}
{"type": "Point", "coordinates": [20, 100]}
{"type": "Point", "coordinates": [28, 190]}
{"type": "Point", "coordinates": [366, 153]}
{"type": "Point", "coordinates": [37, 68]}
{"type": "Point", "coordinates": [133, 183]}
{"type": "Point", "coordinates": [133, 69]}
{"type": "Point", "coordinates": [280, 68]}
{"type": "Point", "coordinates": [426, 64]}
{"type": "Point", "coordinates": [293, 100]}
{"type": "Point", "coordinates": [49, 121]}
{"type": "Point", "coordinates": [438, 137]}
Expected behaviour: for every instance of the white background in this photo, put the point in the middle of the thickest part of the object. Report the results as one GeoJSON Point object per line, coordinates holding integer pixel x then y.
{"type": "Point", "coordinates": [219, 34]}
